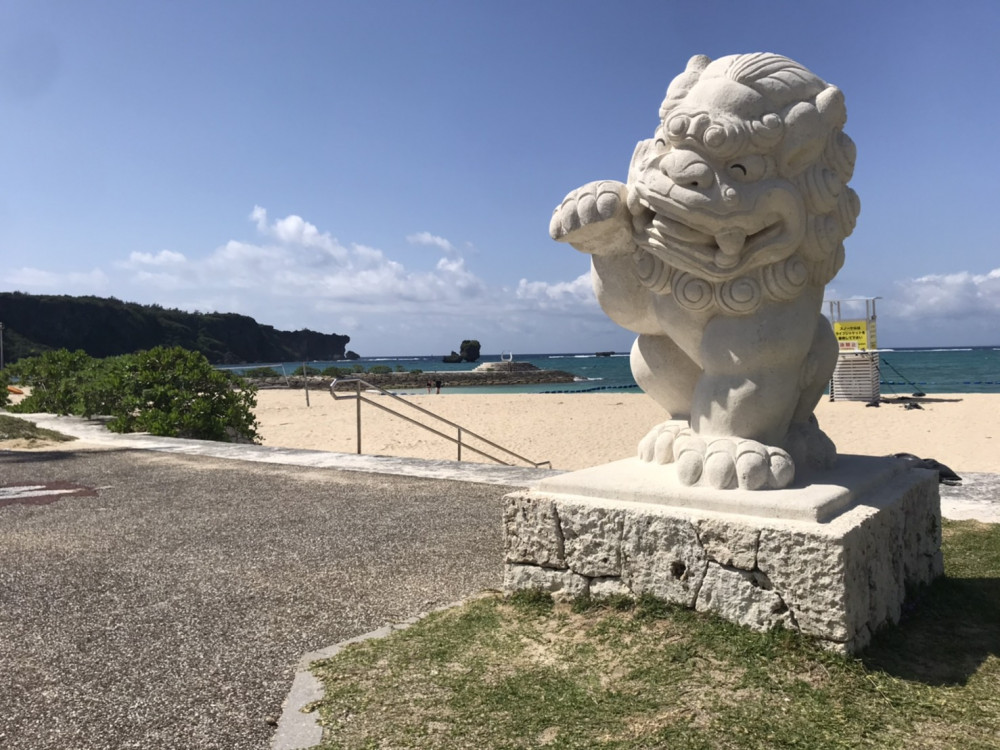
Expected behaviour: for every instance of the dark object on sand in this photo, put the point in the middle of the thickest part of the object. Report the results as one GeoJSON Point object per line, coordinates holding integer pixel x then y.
{"type": "Point", "coordinates": [913, 405]}
{"type": "Point", "coordinates": [945, 475]}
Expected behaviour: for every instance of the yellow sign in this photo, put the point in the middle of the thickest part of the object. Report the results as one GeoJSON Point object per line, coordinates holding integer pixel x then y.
{"type": "Point", "coordinates": [855, 335]}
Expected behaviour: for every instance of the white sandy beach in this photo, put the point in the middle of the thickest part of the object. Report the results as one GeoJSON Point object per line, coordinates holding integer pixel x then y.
{"type": "Point", "coordinates": [574, 431]}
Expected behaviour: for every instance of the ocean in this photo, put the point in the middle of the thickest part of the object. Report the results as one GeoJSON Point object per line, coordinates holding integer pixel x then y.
{"type": "Point", "coordinates": [903, 371]}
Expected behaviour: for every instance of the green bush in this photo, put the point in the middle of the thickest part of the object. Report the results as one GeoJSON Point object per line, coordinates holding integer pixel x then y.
{"type": "Point", "coordinates": [164, 391]}
{"type": "Point", "coordinates": [4, 393]}
{"type": "Point", "coordinates": [261, 372]}
{"type": "Point", "coordinates": [307, 370]}
{"type": "Point", "coordinates": [379, 370]}
{"type": "Point", "coordinates": [57, 380]}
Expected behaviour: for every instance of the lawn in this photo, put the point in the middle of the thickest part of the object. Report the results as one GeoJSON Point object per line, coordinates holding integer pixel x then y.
{"type": "Point", "coordinates": [524, 672]}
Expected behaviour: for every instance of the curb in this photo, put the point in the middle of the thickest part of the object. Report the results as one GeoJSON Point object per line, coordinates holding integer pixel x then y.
{"type": "Point", "coordinates": [299, 730]}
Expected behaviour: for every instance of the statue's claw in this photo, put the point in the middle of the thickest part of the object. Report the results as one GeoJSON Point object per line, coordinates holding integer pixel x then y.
{"type": "Point", "coordinates": [594, 218]}
{"type": "Point", "coordinates": [721, 463]}
{"type": "Point", "coordinates": [658, 445]}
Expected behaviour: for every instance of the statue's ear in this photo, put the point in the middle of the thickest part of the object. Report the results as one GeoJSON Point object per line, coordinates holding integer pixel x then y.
{"type": "Point", "coordinates": [805, 138]}
{"type": "Point", "coordinates": [830, 103]}
{"type": "Point", "coordinates": [640, 158]}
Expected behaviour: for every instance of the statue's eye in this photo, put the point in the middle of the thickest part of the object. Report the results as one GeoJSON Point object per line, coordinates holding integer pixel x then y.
{"type": "Point", "coordinates": [748, 168]}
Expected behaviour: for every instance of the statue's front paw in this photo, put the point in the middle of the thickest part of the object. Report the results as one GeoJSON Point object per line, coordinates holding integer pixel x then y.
{"type": "Point", "coordinates": [658, 445]}
{"type": "Point", "coordinates": [731, 463]}
{"type": "Point", "coordinates": [594, 219]}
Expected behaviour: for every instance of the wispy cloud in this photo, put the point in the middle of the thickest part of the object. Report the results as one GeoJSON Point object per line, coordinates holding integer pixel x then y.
{"type": "Point", "coordinates": [433, 240]}
{"type": "Point", "coordinates": [561, 294]}
{"type": "Point", "coordinates": [954, 296]}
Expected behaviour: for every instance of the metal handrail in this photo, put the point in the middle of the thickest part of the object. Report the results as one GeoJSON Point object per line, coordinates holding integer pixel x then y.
{"type": "Point", "coordinates": [357, 394]}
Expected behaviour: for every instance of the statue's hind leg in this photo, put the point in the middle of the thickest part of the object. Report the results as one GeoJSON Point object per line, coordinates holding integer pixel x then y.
{"type": "Point", "coordinates": [669, 377]}
{"type": "Point", "coordinates": [807, 444]}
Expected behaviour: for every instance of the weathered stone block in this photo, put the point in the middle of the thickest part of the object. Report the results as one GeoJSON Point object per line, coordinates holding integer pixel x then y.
{"type": "Point", "coordinates": [741, 596]}
{"type": "Point", "coordinates": [591, 539]}
{"type": "Point", "coordinates": [662, 557]}
{"type": "Point", "coordinates": [531, 532]}
{"type": "Point", "coordinates": [839, 580]}
{"type": "Point", "coordinates": [727, 544]}
{"type": "Point", "coordinates": [562, 584]}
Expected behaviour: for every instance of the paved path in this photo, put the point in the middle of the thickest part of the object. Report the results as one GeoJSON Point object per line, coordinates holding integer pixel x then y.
{"type": "Point", "coordinates": [169, 609]}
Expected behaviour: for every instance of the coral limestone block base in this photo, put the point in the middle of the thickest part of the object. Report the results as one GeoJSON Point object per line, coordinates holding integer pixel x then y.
{"type": "Point", "coordinates": [838, 579]}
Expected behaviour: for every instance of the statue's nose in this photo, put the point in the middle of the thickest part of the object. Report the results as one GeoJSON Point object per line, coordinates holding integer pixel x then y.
{"type": "Point", "coordinates": [696, 176]}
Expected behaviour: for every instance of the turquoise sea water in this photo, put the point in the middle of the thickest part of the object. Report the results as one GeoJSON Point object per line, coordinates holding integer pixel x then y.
{"type": "Point", "coordinates": [937, 370]}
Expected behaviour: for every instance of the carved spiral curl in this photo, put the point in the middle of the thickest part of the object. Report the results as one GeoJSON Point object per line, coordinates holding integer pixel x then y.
{"type": "Point", "coordinates": [848, 208]}
{"type": "Point", "coordinates": [821, 188]}
{"type": "Point", "coordinates": [840, 154]}
{"type": "Point", "coordinates": [738, 296]}
{"type": "Point", "coordinates": [785, 279]}
{"type": "Point", "coordinates": [652, 272]}
{"type": "Point", "coordinates": [766, 132]}
{"type": "Point", "coordinates": [691, 292]}
{"type": "Point", "coordinates": [822, 235]}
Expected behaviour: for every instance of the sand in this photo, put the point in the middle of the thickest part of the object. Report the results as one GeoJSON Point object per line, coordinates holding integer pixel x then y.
{"type": "Point", "coordinates": [575, 431]}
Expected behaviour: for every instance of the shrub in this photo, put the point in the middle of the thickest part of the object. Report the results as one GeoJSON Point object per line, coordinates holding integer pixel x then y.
{"type": "Point", "coordinates": [4, 393]}
{"type": "Point", "coordinates": [379, 370]}
{"type": "Point", "coordinates": [172, 391]}
{"type": "Point", "coordinates": [261, 372]}
{"type": "Point", "coordinates": [57, 380]}
{"type": "Point", "coordinates": [164, 391]}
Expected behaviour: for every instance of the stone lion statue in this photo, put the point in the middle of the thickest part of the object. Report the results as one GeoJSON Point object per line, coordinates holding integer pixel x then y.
{"type": "Point", "coordinates": [716, 252]}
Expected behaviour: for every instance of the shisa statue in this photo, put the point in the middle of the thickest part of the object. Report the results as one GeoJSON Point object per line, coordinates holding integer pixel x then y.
{"type": "Point", "coordinates": [716, 252]}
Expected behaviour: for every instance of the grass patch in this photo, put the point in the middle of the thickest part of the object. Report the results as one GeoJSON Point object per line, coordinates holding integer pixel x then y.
{"type": "Point", "coordinates": [12, 428]}
{"type": "Point", "coordinates": [621, 673]}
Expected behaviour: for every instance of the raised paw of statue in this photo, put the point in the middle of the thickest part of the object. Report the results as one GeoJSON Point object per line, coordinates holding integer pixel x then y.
{"type": "Point", "coordinates": [594, 218]}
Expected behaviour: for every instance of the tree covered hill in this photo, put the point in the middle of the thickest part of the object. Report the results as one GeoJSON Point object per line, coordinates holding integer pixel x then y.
{"type": "Point", "coordinates": [104, 327]}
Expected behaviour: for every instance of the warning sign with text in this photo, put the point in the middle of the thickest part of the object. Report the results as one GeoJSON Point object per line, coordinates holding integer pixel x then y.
{"type": "Point", "coordinates": [855, 335]}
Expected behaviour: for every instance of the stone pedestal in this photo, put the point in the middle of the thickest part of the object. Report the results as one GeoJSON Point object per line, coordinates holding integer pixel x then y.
{"type": "Point", "coordinates": [832, 559]}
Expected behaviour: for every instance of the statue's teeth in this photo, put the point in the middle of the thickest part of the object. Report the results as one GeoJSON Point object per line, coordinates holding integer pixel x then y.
{"type": "Point", "coordinates": [731, 241]}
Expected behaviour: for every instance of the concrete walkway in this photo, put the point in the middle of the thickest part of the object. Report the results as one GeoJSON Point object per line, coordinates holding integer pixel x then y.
{"type": "Point", "coordinates": [167, 603]}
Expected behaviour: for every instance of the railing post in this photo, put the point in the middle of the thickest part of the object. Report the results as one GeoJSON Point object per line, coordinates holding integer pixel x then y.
{"type": "Point", "coordinates": [357, 385]}
{"type": "Point", "coordinates": [459, 443]}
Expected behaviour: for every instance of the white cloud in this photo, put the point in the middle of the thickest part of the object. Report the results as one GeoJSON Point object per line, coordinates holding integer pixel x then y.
{"type": "Point", "coordinates": [955, 296]}
{"type": "Point", "coordinates": [292, 275]}
{"type": "Point", "coordinates": [162, 258]}
{"type": "Point", "coordinates": [294, 230]}
{"type": "Point", "coordinates": [562, 294]}
{"type": "Point", "coordinates": [426, 238]}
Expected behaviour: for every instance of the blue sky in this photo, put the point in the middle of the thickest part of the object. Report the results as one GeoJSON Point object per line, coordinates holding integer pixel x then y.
{"type": "Point", "coordinates": [387, 170]}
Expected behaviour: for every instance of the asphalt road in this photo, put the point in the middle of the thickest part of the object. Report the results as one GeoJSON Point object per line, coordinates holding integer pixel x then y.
{"type": "Point", "coordinates": [169, 608]}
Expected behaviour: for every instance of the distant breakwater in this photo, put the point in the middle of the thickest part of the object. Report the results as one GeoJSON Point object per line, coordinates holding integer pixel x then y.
{"type": "Point", "coordinates": [448, 379]}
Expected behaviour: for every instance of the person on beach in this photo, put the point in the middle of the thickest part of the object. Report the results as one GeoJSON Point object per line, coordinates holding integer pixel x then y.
{"type": "Point", "coordinates": [437, 384]}
{"type": "Point", "coordinates": [429, 386]}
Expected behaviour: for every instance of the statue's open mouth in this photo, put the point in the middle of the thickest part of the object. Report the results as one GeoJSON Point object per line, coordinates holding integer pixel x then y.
{"type": "Point", "coordinates": [739, 242]}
